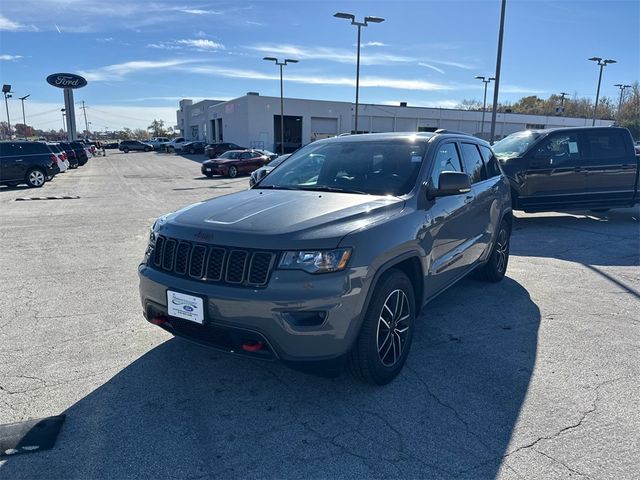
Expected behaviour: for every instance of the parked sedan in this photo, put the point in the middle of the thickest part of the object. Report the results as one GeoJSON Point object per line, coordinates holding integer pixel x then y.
{"type": "Point", "coordinates": [214, 150]}
{"type": "Point", "coordinates": [193, 147]}
{"type": "Point", "coordinates": [127, 145]}
{"type": "Point", "coordinates": [262, 172]}
{"type": "Point", "coordinates": [233, 162]}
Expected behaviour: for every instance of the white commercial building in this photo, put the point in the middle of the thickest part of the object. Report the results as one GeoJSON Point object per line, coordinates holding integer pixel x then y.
{"type": "Point", "coordinates": [254, 121]}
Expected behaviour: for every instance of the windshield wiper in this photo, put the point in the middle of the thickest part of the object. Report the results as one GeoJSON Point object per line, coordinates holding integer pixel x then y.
{"type": "Point", "coordinates": [326, 188]}
{"type": "Point", "coordinates": [276, 187]}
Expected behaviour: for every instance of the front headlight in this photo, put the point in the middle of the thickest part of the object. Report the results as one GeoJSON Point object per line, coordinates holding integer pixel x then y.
{"type": "Point", "coordinates": [318, 261]}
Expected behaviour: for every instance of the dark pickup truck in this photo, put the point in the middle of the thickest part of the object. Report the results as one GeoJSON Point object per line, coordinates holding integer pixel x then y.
{"type": "Point", "coordinates": [584, 168]}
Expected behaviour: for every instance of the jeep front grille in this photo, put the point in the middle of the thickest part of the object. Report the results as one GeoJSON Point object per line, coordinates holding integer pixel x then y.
{"type": "Point", "coordinates": [231, 266]}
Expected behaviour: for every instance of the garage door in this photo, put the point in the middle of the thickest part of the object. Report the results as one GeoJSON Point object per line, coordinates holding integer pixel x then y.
{"type": "Point", "coordinates": [322, 127]}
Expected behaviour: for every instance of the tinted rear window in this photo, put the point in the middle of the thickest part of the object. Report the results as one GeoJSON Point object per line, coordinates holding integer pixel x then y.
{"type": "Point", "coordinates": [604, 144]}
{"type": "Point", "coordinates": [491, 164]}
{"type": "Point", "coordinates": [473, 165]}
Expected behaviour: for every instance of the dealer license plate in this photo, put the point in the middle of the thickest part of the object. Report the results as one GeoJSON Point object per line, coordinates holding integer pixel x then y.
{"type": "Point", "coordinates": [184, 306]}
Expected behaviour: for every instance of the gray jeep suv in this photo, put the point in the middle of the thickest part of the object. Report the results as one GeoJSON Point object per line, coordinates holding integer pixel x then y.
{"type": "Point", "coordinates": [329, 259]}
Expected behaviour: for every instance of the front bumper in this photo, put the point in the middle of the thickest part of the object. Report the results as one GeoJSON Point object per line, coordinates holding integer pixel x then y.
{"type": "Point", "coordinates": [300, 317]}
{"type": "Point", "coordinates": [213, 170]}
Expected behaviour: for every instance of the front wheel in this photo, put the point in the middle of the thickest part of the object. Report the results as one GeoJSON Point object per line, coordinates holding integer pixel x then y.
{"type": "Point", "coordinates": [209, 174]}
{"type": "Point", "coordinates": [387, 330]}
{"type": "Point", "coordinates": [147, 149]}
{"type": "Point", "coordinates": [35, 178]}
{"type": "Point", "coordinates": [125, 150]}
{"type": "Point", "coordinates": [496, 267]}
{"type": "Point", "coordinates": [233, 172]}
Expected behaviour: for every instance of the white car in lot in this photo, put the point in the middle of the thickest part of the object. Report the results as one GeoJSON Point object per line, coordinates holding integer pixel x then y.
{"type": "Point", "coordinates": [175, 145]}
{"type": "Point", "coordinates": [61, 156]}
{"type": "Point", "coordinates": [159, 143]}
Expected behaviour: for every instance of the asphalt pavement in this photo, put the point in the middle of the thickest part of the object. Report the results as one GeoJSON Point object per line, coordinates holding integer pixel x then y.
{"type": "Point", "coordinates": [534, 377]}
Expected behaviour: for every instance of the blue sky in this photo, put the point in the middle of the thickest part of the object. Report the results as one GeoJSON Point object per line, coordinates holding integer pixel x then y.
{"type": "Point", "coordinates": [140, 58]}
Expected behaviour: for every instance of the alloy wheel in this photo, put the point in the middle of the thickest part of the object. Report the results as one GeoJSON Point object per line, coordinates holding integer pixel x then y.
{"type": "Point", "coordinates": [36, 178]}
{"type": "Point", "coordinates": [393, 327]}
{"type": "Point", "coordinates": [502, 250]}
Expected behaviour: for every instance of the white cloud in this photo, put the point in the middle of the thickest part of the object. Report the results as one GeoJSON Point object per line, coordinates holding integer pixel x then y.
{"type": "Point", "coordinates": [519, 89]}
{"type": "Point", "coordinates": [366, 81]}
{"type": "Point", "coordinates": [10, 57]}
{"type": "Point", "coordinates": [11, 26]}
{"type": "Point", "coordinates": [432, 67]}
{"type": "Point", "coordinates": [201, 44]}
{"type": "Point", "coordinates": [120, 70]}
{"type": "Point", "coordinates": [198, 11]}
{"type": "Point", "coordinates": [372, 44]}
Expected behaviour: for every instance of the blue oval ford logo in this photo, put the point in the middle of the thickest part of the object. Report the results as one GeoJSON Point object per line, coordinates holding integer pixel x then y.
{"type": "Point", "coordinates": [66, 80]}
{"type": "Point", "coordinates": [188, 308]}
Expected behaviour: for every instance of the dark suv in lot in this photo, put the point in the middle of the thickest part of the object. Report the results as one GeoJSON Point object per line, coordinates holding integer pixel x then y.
{"type": "Point", "coordinates": [329, 259]}
{"type": "Point", "coordinates": [32, 163]}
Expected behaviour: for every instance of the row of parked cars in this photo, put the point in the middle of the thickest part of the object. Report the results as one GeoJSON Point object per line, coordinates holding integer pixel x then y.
{"type": "Point", "coordinates": [35, 162]}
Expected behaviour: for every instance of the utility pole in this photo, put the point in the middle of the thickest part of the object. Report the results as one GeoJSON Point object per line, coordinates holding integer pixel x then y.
{"type": "Point", "coordinates": [498, 64]}
{"type": "Point", "coordinates": [24, 119]}
{"type": "Point", "coordinates": [562, 95]}
{"type": "Point", "coordinates": [86, 124]}
{"type": "Point", "coordinates": [281, 64]}
{"type": "Point", "coordinates": [6, 90]}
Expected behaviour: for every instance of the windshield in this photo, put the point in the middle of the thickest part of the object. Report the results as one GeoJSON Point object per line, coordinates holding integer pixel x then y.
{"type": "Point", "coordinates": [514, 144]}
{"type": "Point", "coordinates": [230, 154]}
{"type": "Point", "coordinates": [375, 168]}
{"type": "Point", "coordinates": [278, 160]}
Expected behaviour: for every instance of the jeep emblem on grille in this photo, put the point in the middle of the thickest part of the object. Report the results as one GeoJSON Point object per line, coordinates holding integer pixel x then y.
{"type": "Point", "coordinates": [203, 236]}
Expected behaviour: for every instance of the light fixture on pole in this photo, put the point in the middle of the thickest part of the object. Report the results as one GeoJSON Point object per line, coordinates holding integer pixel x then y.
{"type": "Point", "coordinates": [622, 89]}
{"type": "Point", "coordinates": [367, 20]}
{"type": "Point", "coordinates": [281, 64]}
{"type": "Point", "coordinates": [601, 63]}
{"type": "Point", "coordinates": [6, 90]}
{"type": "Point", "coordinates": [24, 119]}
{"type": "Point", "coordinates": [486, 82]}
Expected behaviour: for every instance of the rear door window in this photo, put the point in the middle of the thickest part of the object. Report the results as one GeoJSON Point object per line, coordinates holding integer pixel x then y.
{"type": "Point", "coordinates": [447, 160]}
{"type": "Point", "coordinates": [491, 165]}
{"type": "Point", "coordinates": [603, 147]}
{"type": "Point", "coordinates": [473, 165]}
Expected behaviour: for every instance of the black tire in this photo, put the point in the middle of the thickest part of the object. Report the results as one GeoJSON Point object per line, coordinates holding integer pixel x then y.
{"type": "Point", "coordinates": [496, 267]}
{"type": "Point", "coordinates": [147, 149]}
{"type": "Point", "coordinates": [233, 172]}
{"type": "Point", "coordinates": [208, 175]}
{"type": "Point", "coordinates": [35, 178]}
{"type": "Point", "coordinates": [125, 150]}
{"type": "Point", "coordinates": [375, 358]}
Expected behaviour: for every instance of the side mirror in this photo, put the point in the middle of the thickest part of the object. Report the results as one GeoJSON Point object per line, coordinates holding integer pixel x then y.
{"type": "Point", "coordinates": [451, 183]}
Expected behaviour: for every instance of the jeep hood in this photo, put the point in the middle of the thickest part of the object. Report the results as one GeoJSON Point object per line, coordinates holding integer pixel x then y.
{"type": "Point", "coordinates": [279, 219]}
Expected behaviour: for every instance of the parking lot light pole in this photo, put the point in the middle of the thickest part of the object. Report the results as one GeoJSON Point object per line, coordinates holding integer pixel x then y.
{"type": "Point", "coordinates": [486, 82]}
{"type": "Point", "coordinates": [496, 88]}
{"type": "Point", "coordinates": [281, 64]}
{"type": "Point", "coordinates": [622, 89]}
{"type": "Point", "coordinates": [6, 90]}
{"type": "Point", "coordinates": [24, 119]}
{"type": "Point", "coordinates": [602, 63]}
{"type": "Point", "coordinates": [63, 121]}
{"type": "Point", "coordinates": [367, 20]}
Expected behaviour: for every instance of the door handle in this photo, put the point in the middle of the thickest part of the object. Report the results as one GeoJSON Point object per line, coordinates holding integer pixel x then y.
{"type": "Point", "coordinates": [468, 198]}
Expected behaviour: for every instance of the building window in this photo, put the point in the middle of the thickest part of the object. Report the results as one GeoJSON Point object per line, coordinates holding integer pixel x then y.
{"type": "Point", "coordinates": [194, 132]}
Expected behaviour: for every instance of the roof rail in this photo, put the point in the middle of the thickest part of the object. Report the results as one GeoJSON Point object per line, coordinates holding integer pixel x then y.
{"type": "Point", "coordinates": [444, 130]}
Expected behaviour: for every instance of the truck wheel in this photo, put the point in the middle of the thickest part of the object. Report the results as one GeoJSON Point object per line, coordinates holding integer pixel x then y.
{"type": "Point", "coordinates": [387, 330]}
{"type": "Point", "coordinates": [496, 267]}
{"type": "Point", "coordinates": [35, 178]}
{"type": "Point", "coordinates": [233, 172]}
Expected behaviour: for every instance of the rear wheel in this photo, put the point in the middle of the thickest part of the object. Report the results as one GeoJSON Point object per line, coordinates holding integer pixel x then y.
{"type": "Point", "coordinates": [233, 172]}
{"type": "Point", "coordinates": [35, 178]}
{"type": "Point", "coordinates": [387, 330]}
{"type": "Point", "coordinates": [496, 267]}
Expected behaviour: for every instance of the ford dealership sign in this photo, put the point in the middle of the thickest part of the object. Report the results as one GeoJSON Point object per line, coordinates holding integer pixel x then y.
{"type": "Point", "coordinates": [66, 80]}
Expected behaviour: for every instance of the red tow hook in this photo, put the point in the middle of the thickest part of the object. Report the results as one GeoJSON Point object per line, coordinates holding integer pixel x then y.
{"type": "Point", "coordinates": [252, 346]}
{"type": "Point", "coordinates": [158, 320]}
